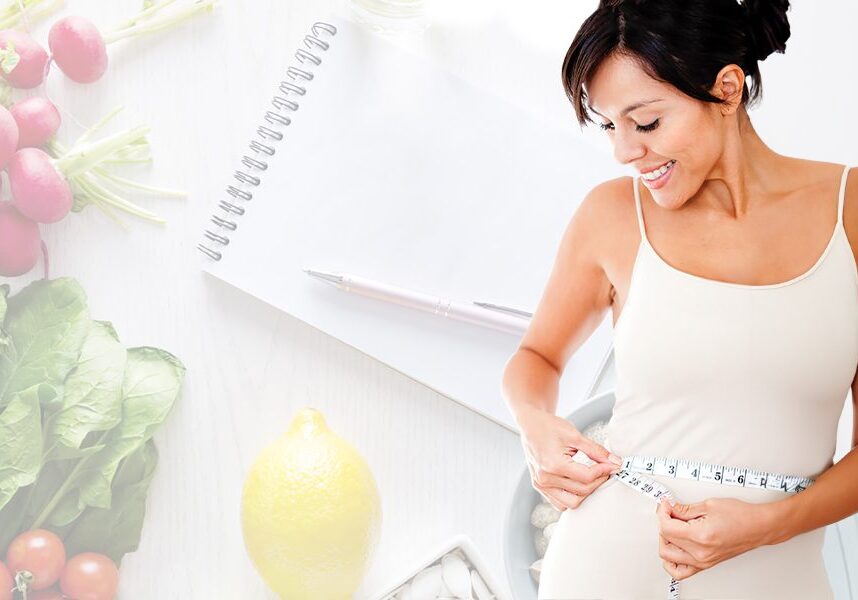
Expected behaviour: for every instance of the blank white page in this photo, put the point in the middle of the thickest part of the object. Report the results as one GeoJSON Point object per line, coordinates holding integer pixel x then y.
{"type": "Point", "coordinates": [395, 170]}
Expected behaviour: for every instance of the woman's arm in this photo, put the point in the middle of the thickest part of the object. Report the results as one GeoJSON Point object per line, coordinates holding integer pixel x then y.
{"type": "Point", "coordinates": [832, 497]}
{"type": "Point", "coordinates": [855, 412]}
{"type": "Point", "coordinates": [573, 304]}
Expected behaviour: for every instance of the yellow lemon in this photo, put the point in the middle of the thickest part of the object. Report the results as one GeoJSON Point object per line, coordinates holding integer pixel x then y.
{"type": "Point", "coordinates": [310, 512]}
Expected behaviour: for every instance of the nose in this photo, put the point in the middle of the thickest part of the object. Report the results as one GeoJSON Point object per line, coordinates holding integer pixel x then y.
{"type": "Point", "coordinates": [627, 147]}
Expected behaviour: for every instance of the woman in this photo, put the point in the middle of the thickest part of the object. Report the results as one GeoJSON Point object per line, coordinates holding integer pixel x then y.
{"type": "Point", "coordinates": [731, 274]}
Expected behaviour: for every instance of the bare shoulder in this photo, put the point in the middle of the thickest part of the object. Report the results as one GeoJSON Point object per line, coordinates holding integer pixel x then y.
{"type": "Point", "coordinates": [608, 221]}
{"type": "Point", "coordinates": [606, 215]}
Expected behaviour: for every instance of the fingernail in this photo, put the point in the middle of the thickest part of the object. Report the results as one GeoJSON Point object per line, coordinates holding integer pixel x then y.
{"type": "Point", "coordinates": [615, 459]}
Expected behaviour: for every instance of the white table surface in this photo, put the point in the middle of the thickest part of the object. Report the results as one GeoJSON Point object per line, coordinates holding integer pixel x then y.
{"type": "Point", "coordinates": [202, 87]}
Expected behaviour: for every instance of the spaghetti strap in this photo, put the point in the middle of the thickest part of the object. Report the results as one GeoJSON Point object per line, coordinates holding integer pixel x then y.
{"type": "Point", "coordinates": [842, 195]}
{"type": "Point", "coordinates": [638, 208]}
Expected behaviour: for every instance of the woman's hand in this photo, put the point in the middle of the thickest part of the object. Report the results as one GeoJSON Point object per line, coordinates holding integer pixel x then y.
{"type": "Point", "coordinates": [549, 444]}
{"type": "Point", "coordinates": [693, 537]}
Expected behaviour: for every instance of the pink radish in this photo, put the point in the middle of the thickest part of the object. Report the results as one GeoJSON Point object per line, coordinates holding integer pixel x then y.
{"type": "Point", "coordinates": [19, 242]}
{"type": "Point", "coordinates": [8, 136]}
{"type": "Point", "coordinates": [39, 191]}
{"type": "Point", "coordinates": [32, 60]}
{"type": "Point", "coordinates": [79, 49]}
{"type": "Point", "coordinates": [37, 118]}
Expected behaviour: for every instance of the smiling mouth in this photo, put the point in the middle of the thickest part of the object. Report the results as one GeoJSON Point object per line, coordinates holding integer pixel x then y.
{"type": "Point", "coordinates": [660, 172]}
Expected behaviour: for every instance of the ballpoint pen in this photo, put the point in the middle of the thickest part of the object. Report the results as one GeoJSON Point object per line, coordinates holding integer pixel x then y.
{"type": "Point", "coordinates": [461, 311]}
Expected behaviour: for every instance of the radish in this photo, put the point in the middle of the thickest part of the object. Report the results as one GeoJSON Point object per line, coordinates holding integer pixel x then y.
{"type": "Point", "coordinates": [19, 242]}
{"type": "Point", "coordinates": [46, 185]}
{"type": "Point", "coordinates": [37, 118]}
{"type": "Point", "coordinates": [23, 61]}
{"type": "Point", "coordinates": [39, 191]}
{"type": "Point", "coordinates": [79, 49]}
{"type": "Point", "coordinates": [8, 136]}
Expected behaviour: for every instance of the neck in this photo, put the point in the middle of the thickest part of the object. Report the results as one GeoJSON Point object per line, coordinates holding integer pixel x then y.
{"type": "Point", "coordinates": [746, 172]}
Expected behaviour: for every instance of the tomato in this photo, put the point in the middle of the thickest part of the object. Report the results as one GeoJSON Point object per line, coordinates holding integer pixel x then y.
{"type": "Point", "coordinates": [90, 576]}
{"type": "Point", "coordinates": [6, 583]}
{"type": "Point", "coordinates": [39, 551]}
{"type": "Point", "coordinates": [49, 594]}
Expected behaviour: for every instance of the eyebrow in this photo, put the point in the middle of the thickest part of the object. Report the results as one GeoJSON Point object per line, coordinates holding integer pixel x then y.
{"type": "Point", "coordinates": [628, 109]}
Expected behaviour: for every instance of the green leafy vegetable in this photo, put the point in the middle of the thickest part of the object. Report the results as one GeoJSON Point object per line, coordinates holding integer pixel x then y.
{"type": "Point", "coordinates": [78, 412]}
{"type": "Point", "coordinates": [20, 441]}
{"type": "Point", "coordinates": [150, 386]}
{"type": "Point", "coordinates": [116, 530]}
{"type": "Point", "coordinates": [93, 392]}
{"type": "Point", "coordinates": [47, 322]}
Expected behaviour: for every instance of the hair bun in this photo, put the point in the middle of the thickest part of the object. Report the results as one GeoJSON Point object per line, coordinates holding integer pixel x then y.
{"type": "Point", "coordinates": [769, 26]}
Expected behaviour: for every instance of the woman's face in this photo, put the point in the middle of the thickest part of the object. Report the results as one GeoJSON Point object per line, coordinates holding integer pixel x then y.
{"type": "Point", "coordinates": [666, 127]}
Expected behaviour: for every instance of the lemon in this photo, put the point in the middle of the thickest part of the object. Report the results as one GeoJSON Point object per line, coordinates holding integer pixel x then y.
{"type": "Point", "coordinates": [310, 512]}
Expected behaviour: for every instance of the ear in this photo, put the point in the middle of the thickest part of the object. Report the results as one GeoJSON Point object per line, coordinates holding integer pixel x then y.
{"type": "Point", "coordinates": [729, 85]}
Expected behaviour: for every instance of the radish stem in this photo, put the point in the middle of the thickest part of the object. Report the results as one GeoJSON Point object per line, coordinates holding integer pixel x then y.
{"type": "Point", "coordinates": [105, 208]}
{"type": "Point", "coordinates": [45, 257]}
{"type": "Point", "coordinates": [16, 10]}
{"type": "Point", "coordinates": [87, 183]}
{"type": "Point", "coordinates": [99, 124]}
{"type": "Point", "coordinates": [158, 23]}
{"type": "Point", "coordinates": [144, 14]}
{"type": "Point", "coordinates": [82, 159]}
{"type": "Point", "coordinates": [139, 186]}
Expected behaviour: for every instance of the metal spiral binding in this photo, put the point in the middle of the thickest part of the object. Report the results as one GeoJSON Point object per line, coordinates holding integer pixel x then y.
{"type": "Point", "coordinates": [262, 147]}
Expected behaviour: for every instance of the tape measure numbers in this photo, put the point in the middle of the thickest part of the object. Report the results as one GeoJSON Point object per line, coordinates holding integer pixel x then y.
{"type": "Point", "coordinates": [635, 468]}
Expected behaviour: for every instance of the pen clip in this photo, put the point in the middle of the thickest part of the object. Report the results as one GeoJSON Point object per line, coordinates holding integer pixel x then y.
{"type": "Point", "coordinates": [505, 309]}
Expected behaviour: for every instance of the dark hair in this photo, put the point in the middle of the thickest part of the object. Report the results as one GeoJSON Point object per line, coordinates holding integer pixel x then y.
{"type": "Point", "coordinates": [682, 42]}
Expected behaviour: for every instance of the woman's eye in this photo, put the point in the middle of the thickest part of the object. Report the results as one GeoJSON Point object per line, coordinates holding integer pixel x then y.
{"type": "Point", "coordinates": [649, 127]}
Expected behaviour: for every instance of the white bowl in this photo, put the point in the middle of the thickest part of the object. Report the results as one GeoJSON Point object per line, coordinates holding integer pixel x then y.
{"type": "Point", "coordinates": [462, 542]}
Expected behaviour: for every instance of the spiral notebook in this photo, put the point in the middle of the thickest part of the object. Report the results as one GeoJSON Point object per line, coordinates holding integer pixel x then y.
{"type": "Point", "coordinates": [371, 160]}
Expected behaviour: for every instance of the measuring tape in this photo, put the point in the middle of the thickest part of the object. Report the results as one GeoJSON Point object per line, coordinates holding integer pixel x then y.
{"type": "Point", "coordinates": [635, 467]}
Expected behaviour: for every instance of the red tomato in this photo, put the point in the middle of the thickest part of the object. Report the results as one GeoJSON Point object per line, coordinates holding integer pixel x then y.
{"type": "Point", "coordinates": [90, 576]}
{"type": "Point", "coordinates": [6, 583]}
{"type": "Point", "coordinates": [49, 594]}
{"type": "Point", "coordinates": [39, 551]}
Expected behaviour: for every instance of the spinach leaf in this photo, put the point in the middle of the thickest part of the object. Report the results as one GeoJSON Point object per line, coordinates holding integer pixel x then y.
{"type": "Point", "coordinates": [116, 530]}
{"type": "Point", "coordinates": [47, 322]}
{"type": "Point", "coordinates": [92, 398]}
{"type": "Point", "coordinates": [150, 387]}
{"type": "Point", "coordinates": [21, 440]}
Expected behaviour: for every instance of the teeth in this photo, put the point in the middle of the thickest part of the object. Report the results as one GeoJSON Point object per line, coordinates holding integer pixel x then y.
{"type": "Point", "coordinates": [658, 172]}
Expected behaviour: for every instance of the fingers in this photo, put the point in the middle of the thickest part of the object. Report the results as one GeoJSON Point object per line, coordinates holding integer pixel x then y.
{"type": "Point", "coordinates": [547, 480]}
{"type": "Point", "coordinates": [672, 553]}
{"type": "Point", "coordinates": [577, 471]}
{"type": "Point", "coordinates": [674, 528]}
{"type": "Point", "coordinates": [592, 449]}
{"type": "Point", "coordinates": [561, 499]}
{"type": "Point", "coordinates": [678, 563]}
{"type": "Point", "coordinates": [678, 571]}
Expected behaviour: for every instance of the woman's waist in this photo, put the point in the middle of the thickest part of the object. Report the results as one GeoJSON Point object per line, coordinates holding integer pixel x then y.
{"type": "Point", "coordinates": [737, 449]}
